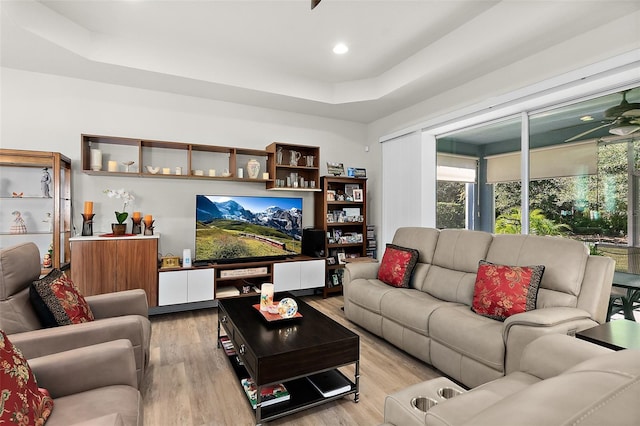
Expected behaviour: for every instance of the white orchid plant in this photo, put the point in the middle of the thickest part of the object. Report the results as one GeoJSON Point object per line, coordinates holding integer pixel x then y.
{"type": "Point", "coordinates": [127, 198]}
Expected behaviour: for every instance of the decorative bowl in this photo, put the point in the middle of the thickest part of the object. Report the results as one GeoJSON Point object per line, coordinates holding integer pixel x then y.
{"type": "Point", "coordinates": [287, 307]}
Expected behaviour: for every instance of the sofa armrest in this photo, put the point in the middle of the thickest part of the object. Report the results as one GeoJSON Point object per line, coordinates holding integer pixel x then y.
{"type": "Point", "coordinates": [86, 368]}
{"type": "Point", "coordinates": [366, 270]}
{"type": "Point", "coordinates": [521, 329]}
{"type": "Point", "coordinates": [46, 341]}
{"type": "Point", "coordinates": [120, 303]}
{"type": "Point", "coordinates": [550, 355]}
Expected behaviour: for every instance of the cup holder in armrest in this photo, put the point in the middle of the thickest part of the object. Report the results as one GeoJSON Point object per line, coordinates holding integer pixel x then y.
{"type": "Point", "coordinates": [423, 403]}
{"type": "Point", "coordinates": [447, 393]}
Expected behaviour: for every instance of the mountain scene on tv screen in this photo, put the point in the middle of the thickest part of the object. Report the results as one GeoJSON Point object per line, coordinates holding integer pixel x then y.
{"type": "Point", "coordinates": [247, 227]}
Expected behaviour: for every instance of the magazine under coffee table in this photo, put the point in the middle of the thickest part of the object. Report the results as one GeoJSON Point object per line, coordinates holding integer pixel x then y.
{"type": "Point", "coordinates": [288, 352]}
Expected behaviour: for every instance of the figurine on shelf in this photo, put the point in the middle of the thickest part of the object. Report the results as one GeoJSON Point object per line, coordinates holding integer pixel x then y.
{"type": "Point", "coordinates": [49, 220]}
{"type": "Point", "coordinates": [46, 261]}
{"type": "Point", "coordinates": [45, 180]}
{"type": "Point", "coordinates": [18, 226]}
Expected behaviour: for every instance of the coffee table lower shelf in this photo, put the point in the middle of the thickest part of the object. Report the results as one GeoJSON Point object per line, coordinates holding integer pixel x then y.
{"type": "Point", "coordinates": [303, 394]}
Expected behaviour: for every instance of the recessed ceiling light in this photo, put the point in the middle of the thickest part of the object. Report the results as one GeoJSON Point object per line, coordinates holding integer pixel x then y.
{"type": "Point", "coordinates": [586, 118]}
{"type": "Point", "coordinates": [340, 49]}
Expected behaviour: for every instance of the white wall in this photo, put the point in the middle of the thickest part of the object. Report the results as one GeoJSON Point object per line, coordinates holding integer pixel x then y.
{"type": "Point", "coordinates": [49, 113]}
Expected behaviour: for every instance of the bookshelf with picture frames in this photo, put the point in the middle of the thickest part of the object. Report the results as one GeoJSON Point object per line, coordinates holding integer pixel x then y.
{"type": "Point", "coordinates": [341, 212]}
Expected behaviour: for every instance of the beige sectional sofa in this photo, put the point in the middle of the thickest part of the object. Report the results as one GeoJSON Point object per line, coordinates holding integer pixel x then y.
{"type": "Point", "coordinates": [561, 381]}
{"type": "Point", "coordinates": [433, 321]}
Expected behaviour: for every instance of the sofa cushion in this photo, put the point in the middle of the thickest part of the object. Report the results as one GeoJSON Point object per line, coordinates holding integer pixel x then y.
{"type": "Point", "coordinates": [474, 336]}
{"type": "Point", "coordinates": [564, 260]}
{"type": "Point", "coordinates": [56, 299]}
{"type": "Point", "coordinates": [455, 263]}
{"type": "Point", "coordinates": [397, 265]}
{"type": "Point", "coordinates": [502, 291]}
{"type": "Point", "coordinates": [96, 403]}
{"type": "Point", "coordinates": [368, 293]}
{"type": "Point", "coordinates": [411, 308]}
{"type": "Point", "coordinates": [21, 401]}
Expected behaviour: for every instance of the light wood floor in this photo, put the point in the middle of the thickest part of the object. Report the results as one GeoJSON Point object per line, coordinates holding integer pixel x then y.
{"type": "Point", "coordinates": [190, 382]}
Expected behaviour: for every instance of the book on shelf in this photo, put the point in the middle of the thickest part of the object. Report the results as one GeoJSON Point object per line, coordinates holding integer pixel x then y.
{"type": "Point", "coordinates": [227, 345]}
{"type": "Point", "coordinates": [270, 395]}
{"type": "Point", "coordinates": [226, 291]}
{"type": "Point", "coordinates": [330, 383]}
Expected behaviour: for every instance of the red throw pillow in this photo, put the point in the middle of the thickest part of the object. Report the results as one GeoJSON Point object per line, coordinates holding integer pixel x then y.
{"type": "Point", "coordinates": [60, 300]}
{"type": "Point", "coordinates": [397, 265]}
{"type": "Point", "coordinates": [21, 401]}
{"type": "Point", "coordinates": [502, 291]}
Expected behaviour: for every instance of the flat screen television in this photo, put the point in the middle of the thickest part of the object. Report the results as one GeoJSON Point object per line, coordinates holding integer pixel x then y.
{"type": "Point", "coordinates": [244, 228]}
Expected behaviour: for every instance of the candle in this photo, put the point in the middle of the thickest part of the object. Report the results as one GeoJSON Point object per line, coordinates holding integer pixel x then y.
{"type": "Point", "coordinates": [113, 166]}
{"type": "Point", "coordinates": [265, 176]}
{"type": "Point", "coordinates": [212, 172]}
{"type": "Point", "coordinates": [88, 207]}
{"type": "Point", "coordinates": [96, 159]}
{"type": "Point", "coordinates": [148, 219]}
{"type": "Point", "coordinates": [166, 171]}
{"type": "Point", "coordinates": [266, 296]}
{"type": "Point", "coordinates": [240, 173]}
{"type": "Point", "coordinates": [136, 215]}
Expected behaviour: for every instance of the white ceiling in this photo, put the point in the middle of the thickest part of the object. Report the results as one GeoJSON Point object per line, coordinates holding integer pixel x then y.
{"type": "Point", "coordinates": [278, 54]}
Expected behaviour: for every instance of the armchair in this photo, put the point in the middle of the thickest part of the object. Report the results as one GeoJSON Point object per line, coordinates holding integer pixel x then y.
{"type": "Point", "coordinates": [119, 315]}
{"type": "Point", "coordinates": [102, 389]}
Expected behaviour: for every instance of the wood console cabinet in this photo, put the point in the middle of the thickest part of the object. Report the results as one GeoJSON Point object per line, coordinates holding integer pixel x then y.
{"type": "Point", "coordinates": [105, 265]}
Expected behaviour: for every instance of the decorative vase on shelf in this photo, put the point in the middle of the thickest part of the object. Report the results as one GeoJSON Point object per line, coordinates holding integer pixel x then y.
{"type": "Point", "coordinates": [119, 228]}
{"type": "Point", "coordinates": [253, 168]}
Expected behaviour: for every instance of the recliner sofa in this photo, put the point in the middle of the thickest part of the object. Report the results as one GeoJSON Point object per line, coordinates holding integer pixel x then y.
{"type": "Point", "coordinates": [433, 321]}
{"type": "Point", "coordinates": [119, 315]}
{"type": "Point", "coordinates": [561, 381]}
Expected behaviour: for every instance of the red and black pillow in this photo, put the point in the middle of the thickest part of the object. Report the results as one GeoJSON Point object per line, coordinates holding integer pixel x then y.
{"type": "Point", "coordinates": [397, 265]}
{"type": "Point", "coordinates": [57, 301]}
{"type": "Point", "coordinates": [22, 402]}
{"type": "Point", "coordinates": [501, 291]}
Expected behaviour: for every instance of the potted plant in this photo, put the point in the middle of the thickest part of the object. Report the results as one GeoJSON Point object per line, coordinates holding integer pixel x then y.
{"type": "Point", "coordinates": [120, 228]}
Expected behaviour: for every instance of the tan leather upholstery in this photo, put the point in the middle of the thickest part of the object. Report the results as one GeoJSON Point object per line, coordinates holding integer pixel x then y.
{"type": "Point", "coordinates": [432, 320]}
{"type": "Point", "coordinates": [92, 385]}
{"type": "Point", "coordinates": [120, 315]}
{"type": "Point", "coordinates": [562, 381]}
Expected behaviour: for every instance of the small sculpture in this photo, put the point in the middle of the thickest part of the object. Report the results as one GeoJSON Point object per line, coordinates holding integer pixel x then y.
{"type": "Point", "coordinates": [46, 261]}
{"type": "Point", "coordinates": [127, 164]}
{"type": "Point", "coordinates": [45, 180]}
{"type": "Point", "coordinates": [18, 226]}
{"type": "Point", "coordinates": [49, 220]}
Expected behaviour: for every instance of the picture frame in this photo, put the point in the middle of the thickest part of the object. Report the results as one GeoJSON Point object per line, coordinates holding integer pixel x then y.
{"type": "Point", "coordinates": [331, 260]}
{"type": "Point", "coordinates": [349, 187]}
{"type": "Point", "coordinates": [331, 195]}
{"type": "Point", "coordinates": [358, 195]}
{"type": "Point", "coordinates": [330, 218]}
{"type": "Point", "coordinates": [342, 258]}
{"type": "Point", "coordinates": [335, 169]}
{"type": "Point", "coordinates": [357, 172]}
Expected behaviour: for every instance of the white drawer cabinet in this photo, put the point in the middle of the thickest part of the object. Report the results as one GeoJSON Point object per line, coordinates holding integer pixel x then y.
{"type": "Point", "coordinates": [192, 285]}
{"type": "Point", "coordinates": [299, 275]}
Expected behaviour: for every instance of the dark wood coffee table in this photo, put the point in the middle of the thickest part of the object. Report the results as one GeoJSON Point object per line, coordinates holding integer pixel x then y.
{"type": "Point", "coordinates": [617, 335]}
{"type": "Point", "coordinates": [288, 351]}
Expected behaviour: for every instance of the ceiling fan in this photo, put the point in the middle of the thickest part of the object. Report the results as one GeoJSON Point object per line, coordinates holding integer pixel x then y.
{"type": "Point", "coordinates": [622, 119]}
